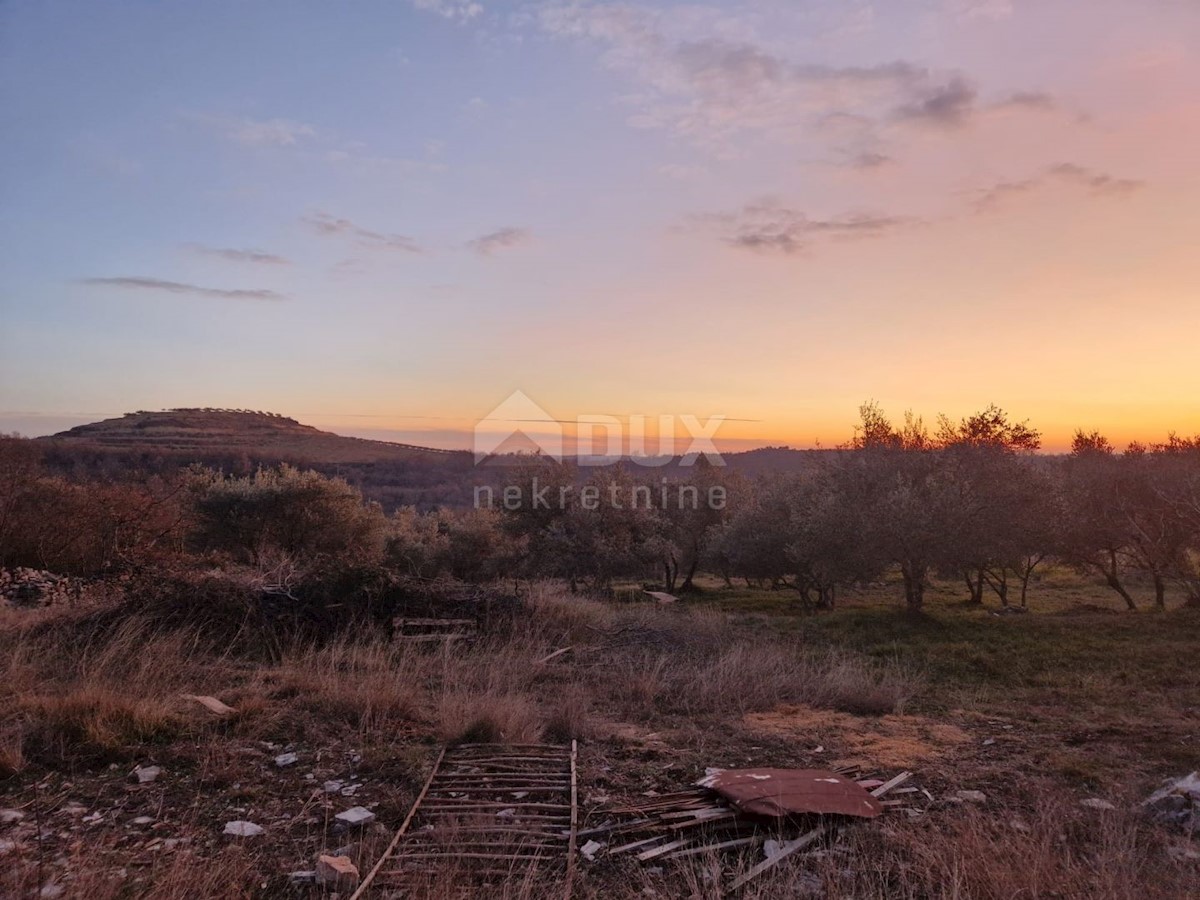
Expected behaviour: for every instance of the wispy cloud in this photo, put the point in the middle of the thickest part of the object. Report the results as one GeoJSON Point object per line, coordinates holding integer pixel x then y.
{"type": "Point", "coordinates": [459, 10]}
{"type": "Point", "coordinates": [980, 9]}
{"type": "Point", "coordinates": [256, 132]}
{"type": "Point", "coordinates": [770, 227]}
{"type": "Point", "coordinates": [501, 239]}
{"type": "Point", "coordinates": [140, 282]}
{"type": "Point", "coordinates": [1096, 184]}
{"type": "Point", "coordinates": [948, 105]}
{"type": "Point", "coordinates": [333, 226]}
{"type": "Point", "coordinates": [717, 90]}
{"type": "Point", "coordinates": [235, 255]}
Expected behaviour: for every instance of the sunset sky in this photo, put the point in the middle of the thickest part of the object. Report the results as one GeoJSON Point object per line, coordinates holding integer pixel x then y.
{"type": "Point", "coordinates": [382, 217]}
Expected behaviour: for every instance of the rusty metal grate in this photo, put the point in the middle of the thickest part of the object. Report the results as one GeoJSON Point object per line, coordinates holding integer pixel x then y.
{"type": "Point", "coordinates": [487, 812]}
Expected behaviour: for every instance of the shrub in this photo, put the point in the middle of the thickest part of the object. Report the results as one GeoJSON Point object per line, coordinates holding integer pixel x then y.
{"type": "Point", "coordinates": [284, 510]}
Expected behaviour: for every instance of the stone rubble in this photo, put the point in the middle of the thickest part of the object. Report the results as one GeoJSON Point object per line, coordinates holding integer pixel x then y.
{"type": "Point", "coordinates": [35, 587]}
{"type": "Point", "coordinates": [337, 872]}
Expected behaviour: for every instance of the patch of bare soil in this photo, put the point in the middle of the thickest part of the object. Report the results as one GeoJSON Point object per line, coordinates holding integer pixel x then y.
{"type": "Point", "coordinates": [889, 742]}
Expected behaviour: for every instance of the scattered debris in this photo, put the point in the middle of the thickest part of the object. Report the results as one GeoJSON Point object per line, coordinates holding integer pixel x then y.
{"type": "Point", "coordinates": [969, 797]}
{"type": "Point", "coordinates": [782, 792]}
{"type": "Point", "coordinates": [332, 787]}
{"type": "Point", "coordinates": [590, 849]}
{"type": "Point", "coordinates": [356, 816]}
{"type": "Point", "coordinates": [727, 809]}
{"type": "Point", "coordinates": [212, 704]}
{"type": "Point", "coordinates": [434, 630]}
{"type": "Point", "coordinates": [10, 816]}
{"type": "Point", "coordinates": [1096, 803]}
{"type": "Point", "coordinates": [243, 829]}
{"type": "Point", "coordinates": [465, 816]}
{"type": "Point", "coordinates": [146, 774]}
{"type": "Point", "coordinates": [337, 872]}
{"type": "Point", "coordinates": [307, 876]}
{"type": "Point", "coordinates": [555, 655]}
{"type": "Point", "coordinates": [661, 596]}
{"type": "Point", "coordinates": [144, 820]}
{"type": "Point", "coordinates": [1177, 803]}
{"type": "Point", "coordinates": [283, 760]}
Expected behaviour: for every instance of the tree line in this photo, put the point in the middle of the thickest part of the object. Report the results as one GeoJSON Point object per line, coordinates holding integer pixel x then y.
{"type": "Point", "coordinates": [970, 500]}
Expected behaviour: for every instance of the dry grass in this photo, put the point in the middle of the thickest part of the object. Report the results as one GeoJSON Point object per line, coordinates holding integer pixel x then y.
{"type": "Point", "coordinates": [373, 686]}
{"type": "Point", "coordinates": [465, 717]}
{"type": "Point", "coordinates": [1048, 849]}
{"type": "Point", "coordinates": [747, 677]}
{"type": "Point", "coordinates": [70, 700]}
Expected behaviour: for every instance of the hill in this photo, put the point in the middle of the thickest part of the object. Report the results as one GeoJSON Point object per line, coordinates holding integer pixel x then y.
{"type": "Point", "coordinates": [198, 433]}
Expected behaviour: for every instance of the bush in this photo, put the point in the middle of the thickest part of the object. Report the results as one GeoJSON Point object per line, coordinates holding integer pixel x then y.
{"type": "Point", "coordinates": [286, 511]}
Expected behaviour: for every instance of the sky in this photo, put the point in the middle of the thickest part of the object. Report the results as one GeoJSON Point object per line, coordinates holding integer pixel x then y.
{"type": "Point", "coordinates": [384, 217]}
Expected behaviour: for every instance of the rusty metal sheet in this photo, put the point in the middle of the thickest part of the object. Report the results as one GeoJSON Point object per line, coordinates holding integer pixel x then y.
{"type": "Point", "coordinates": [782, 792]}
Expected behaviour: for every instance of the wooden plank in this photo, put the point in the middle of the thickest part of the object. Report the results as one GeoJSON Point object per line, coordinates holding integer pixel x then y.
{"type": "Point", "coordinates": [695, 813]}
{"type": "Point", "coordinates": [555, 655]}
{"type": "Point", "coordinates": [625, 848]}
{"type": "Point", "coordinates": [895, 782]}
{"type": "Point", "coordinates": [489, 805]}
{"type": "Point", "coordinates": [805, 839]}
{"type": "Point", "coordinates": [693, 823]}
{"type": "Point", "coordinates": [665, 848]}
{"type": "Point", "coordinates": [574, 824]}
{"type": "Point", "coordinates": [515, 857]}
{"type": "Point", "coordinates": [723, 845]}
{"type": "Point", "coordinates": [366, 882]}
{"type": "Point", "coordinates": [784, 852]}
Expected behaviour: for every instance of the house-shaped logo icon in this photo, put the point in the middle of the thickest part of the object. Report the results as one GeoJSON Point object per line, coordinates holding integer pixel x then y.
{"type": "Point", "coordinates": [518, 417]}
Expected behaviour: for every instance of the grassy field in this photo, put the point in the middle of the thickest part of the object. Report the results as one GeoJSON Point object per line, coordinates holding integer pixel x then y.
{"type": "Point", "coordinates": [1040, 711]}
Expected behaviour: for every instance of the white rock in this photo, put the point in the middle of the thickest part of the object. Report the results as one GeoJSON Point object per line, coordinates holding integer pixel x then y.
{"type": "Point", "coordinates": [146, 774]}
{"type": "Point", "coordinates": [590, 849]}
{"type": "Point", "coordinates": [1096, 803]}
{"type": "Point", "coordinates": [969, 797]}
{"type": "Point", "coordinates": [332, 787]}
{"type": "Point", "coordinates": [144, 820]}
{"type": "Point", "coordinates": [242, 829]}
{"type": "Point", "coordinates": [283, 760]}
{"type": "Point", "coordinates": [771, 848]}
{"type": "Point", "coordinates": [356, 815]}
{"type": "Point", "coordinates": [50, 891]}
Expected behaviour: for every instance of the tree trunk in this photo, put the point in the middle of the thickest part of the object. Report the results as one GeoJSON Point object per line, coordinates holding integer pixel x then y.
{"type": "Point", "coordinates": [694, 563]}
{"type": "Point", "coordinates": [1114, 582]}
{"type": "Point", "coordinates": [974, 582]}
{"type": "Point", "coordinates": [914, 585]}
{"type": "Point", "coordinates": [827, 597]}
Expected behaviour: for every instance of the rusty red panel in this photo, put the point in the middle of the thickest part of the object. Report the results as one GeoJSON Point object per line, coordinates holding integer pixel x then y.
{"type": "Point", "coordinates": [782, 792]}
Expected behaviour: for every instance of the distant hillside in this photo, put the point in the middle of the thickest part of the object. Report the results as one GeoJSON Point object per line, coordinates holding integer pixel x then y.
{"type": "Point", "coordinates": [200, 432]}
{"type": "Point", "coordinates": [238, 441]}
